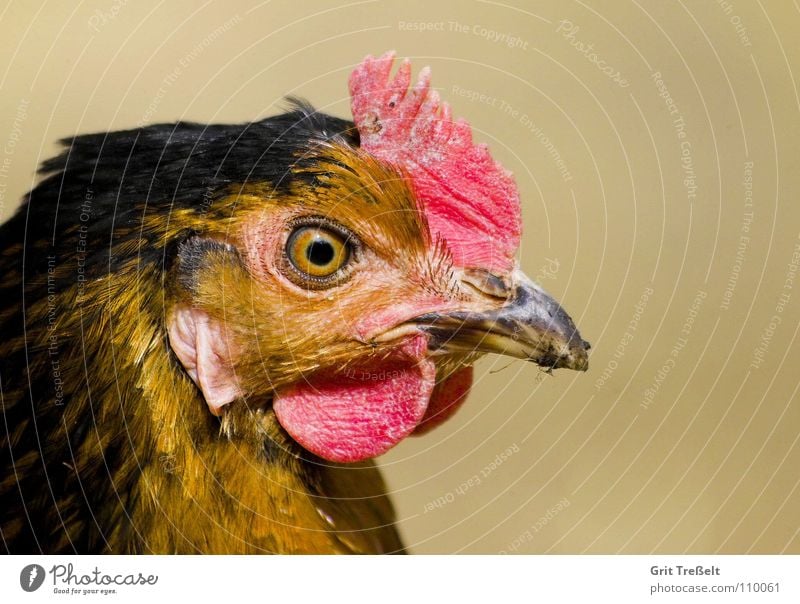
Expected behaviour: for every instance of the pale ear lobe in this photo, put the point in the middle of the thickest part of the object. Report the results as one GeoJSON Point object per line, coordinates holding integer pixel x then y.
{"type": "Point", "coordinates": [201, 345]}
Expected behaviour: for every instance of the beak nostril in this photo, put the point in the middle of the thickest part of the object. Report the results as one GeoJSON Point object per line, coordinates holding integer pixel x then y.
{"type": "Point", "coordinates": [487, 283]}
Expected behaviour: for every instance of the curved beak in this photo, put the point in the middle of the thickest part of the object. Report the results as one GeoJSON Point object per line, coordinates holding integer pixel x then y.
{"type": "Point", "coordinates": [530, 325]}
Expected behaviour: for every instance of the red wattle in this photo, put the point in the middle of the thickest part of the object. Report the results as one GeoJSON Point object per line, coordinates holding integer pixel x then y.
{"type": "Point", "coordinates": [446, 399]}
{"type": "Point", "coordinates": [362, 412]}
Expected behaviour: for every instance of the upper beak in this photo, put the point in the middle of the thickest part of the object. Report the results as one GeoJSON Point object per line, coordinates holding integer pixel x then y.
{"type": "Point", "coordinates": [530, 325]}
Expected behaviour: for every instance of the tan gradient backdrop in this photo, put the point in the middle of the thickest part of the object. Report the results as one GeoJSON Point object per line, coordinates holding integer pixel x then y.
{"type": "Point", "coordinates": [662, 211]}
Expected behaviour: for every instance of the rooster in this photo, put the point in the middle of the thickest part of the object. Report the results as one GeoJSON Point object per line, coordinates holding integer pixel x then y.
{"type": "Point", "coordinates": [209, 332]}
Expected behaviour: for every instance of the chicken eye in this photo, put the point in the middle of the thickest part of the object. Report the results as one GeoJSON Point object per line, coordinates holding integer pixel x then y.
{"type": "Point", "coordinates": [316, 251]}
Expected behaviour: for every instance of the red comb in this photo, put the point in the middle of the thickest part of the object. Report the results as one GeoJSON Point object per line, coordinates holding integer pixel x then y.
{"type": "Point", "coordinates": [469, 199]}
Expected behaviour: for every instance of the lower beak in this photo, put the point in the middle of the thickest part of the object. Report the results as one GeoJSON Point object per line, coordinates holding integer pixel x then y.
{"type": "Point", "coordinates": [531, 325]}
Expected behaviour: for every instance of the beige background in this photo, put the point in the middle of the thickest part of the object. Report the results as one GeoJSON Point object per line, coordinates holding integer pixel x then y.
{"type": "Point", "coordinates": [709, 463]}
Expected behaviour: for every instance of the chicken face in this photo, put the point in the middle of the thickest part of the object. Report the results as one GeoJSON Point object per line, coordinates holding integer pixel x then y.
{"type": "Point", "coordinates": [340, 306]}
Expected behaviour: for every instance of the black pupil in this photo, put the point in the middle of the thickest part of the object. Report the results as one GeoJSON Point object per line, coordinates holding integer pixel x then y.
{"type": "Point", "coordinates": [320, 252]}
